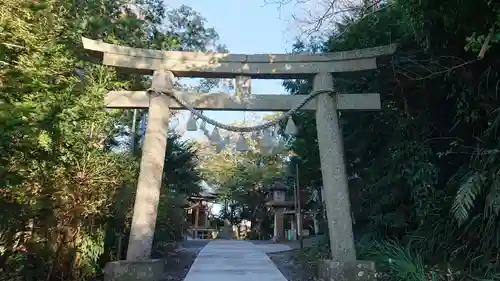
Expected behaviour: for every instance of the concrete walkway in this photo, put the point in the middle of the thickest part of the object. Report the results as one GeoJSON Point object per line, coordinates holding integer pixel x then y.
{"type": "Point", "coordinates": [233, 260]}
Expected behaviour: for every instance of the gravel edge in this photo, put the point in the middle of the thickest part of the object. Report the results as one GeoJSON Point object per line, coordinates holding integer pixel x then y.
{"type": "Point", "coordinates": [179, 261]}
{"type": "Point", "coordinates": [289, 265]}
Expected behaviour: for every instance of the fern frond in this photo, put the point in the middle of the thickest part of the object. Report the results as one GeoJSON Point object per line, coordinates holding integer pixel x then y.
{"type": "Point", "coordinates": [466, 197]}
{"type": "Point", "coordinates": [492, 206]}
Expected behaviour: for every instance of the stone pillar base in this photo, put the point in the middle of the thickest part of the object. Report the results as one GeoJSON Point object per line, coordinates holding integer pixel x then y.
{"type": "Point", "coordinates": [146, 270]}
{"type": "Point", "coordinates": [329, 270]}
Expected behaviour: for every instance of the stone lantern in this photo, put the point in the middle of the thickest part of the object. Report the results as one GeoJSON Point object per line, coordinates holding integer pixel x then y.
{"type": "Point", "coordinates": [279, 203]}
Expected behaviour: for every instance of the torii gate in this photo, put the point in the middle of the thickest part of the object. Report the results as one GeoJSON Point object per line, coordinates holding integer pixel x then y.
{"type": "Point", "coordinates": [166, 65]}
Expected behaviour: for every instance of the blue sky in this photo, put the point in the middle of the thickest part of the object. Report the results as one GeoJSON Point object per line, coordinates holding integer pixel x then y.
{"type": "Point", "coordinates": [244, 26]}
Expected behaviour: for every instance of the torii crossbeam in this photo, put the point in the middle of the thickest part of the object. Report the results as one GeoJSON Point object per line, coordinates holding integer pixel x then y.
{"type": "Point", "coordinates": [165, 65]}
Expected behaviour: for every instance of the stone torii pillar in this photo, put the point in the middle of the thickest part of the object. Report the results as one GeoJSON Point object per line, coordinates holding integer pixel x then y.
{"type": "Point", "coordinates": [163, 65]}
{"type": "Point", "coordinates": [333, 172]}
{"type": "Point", "coordinates": [151, 170]}
{"type": "Point", "coordinates": [343, 265]}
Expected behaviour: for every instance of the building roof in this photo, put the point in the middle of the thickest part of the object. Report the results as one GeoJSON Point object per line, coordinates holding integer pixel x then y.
{"type": "Point", "coordinates": [207, 192]}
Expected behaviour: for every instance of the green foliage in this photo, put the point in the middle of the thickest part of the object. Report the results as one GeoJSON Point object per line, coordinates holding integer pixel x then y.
{"type": "Point", "coordinates": [429, 157]}
{"type": "Point", "coordinates": [400, 262]}
{"type": "Point", "coordinates": [66, 185]}
{"type": "Point", "coordinates": [242, 180]}
{"type": "Point", "coordinates": [91, 249]}
{"type": "Point", "coordinates": [466, 197]}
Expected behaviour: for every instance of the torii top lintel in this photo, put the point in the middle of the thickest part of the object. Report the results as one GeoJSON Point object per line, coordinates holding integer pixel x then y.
{"type": "Point", "coordinates": [222, 65]}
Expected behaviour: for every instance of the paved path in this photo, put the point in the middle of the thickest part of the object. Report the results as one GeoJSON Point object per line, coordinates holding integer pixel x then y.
{"type": "Point", "coordinates": [233, 260]}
